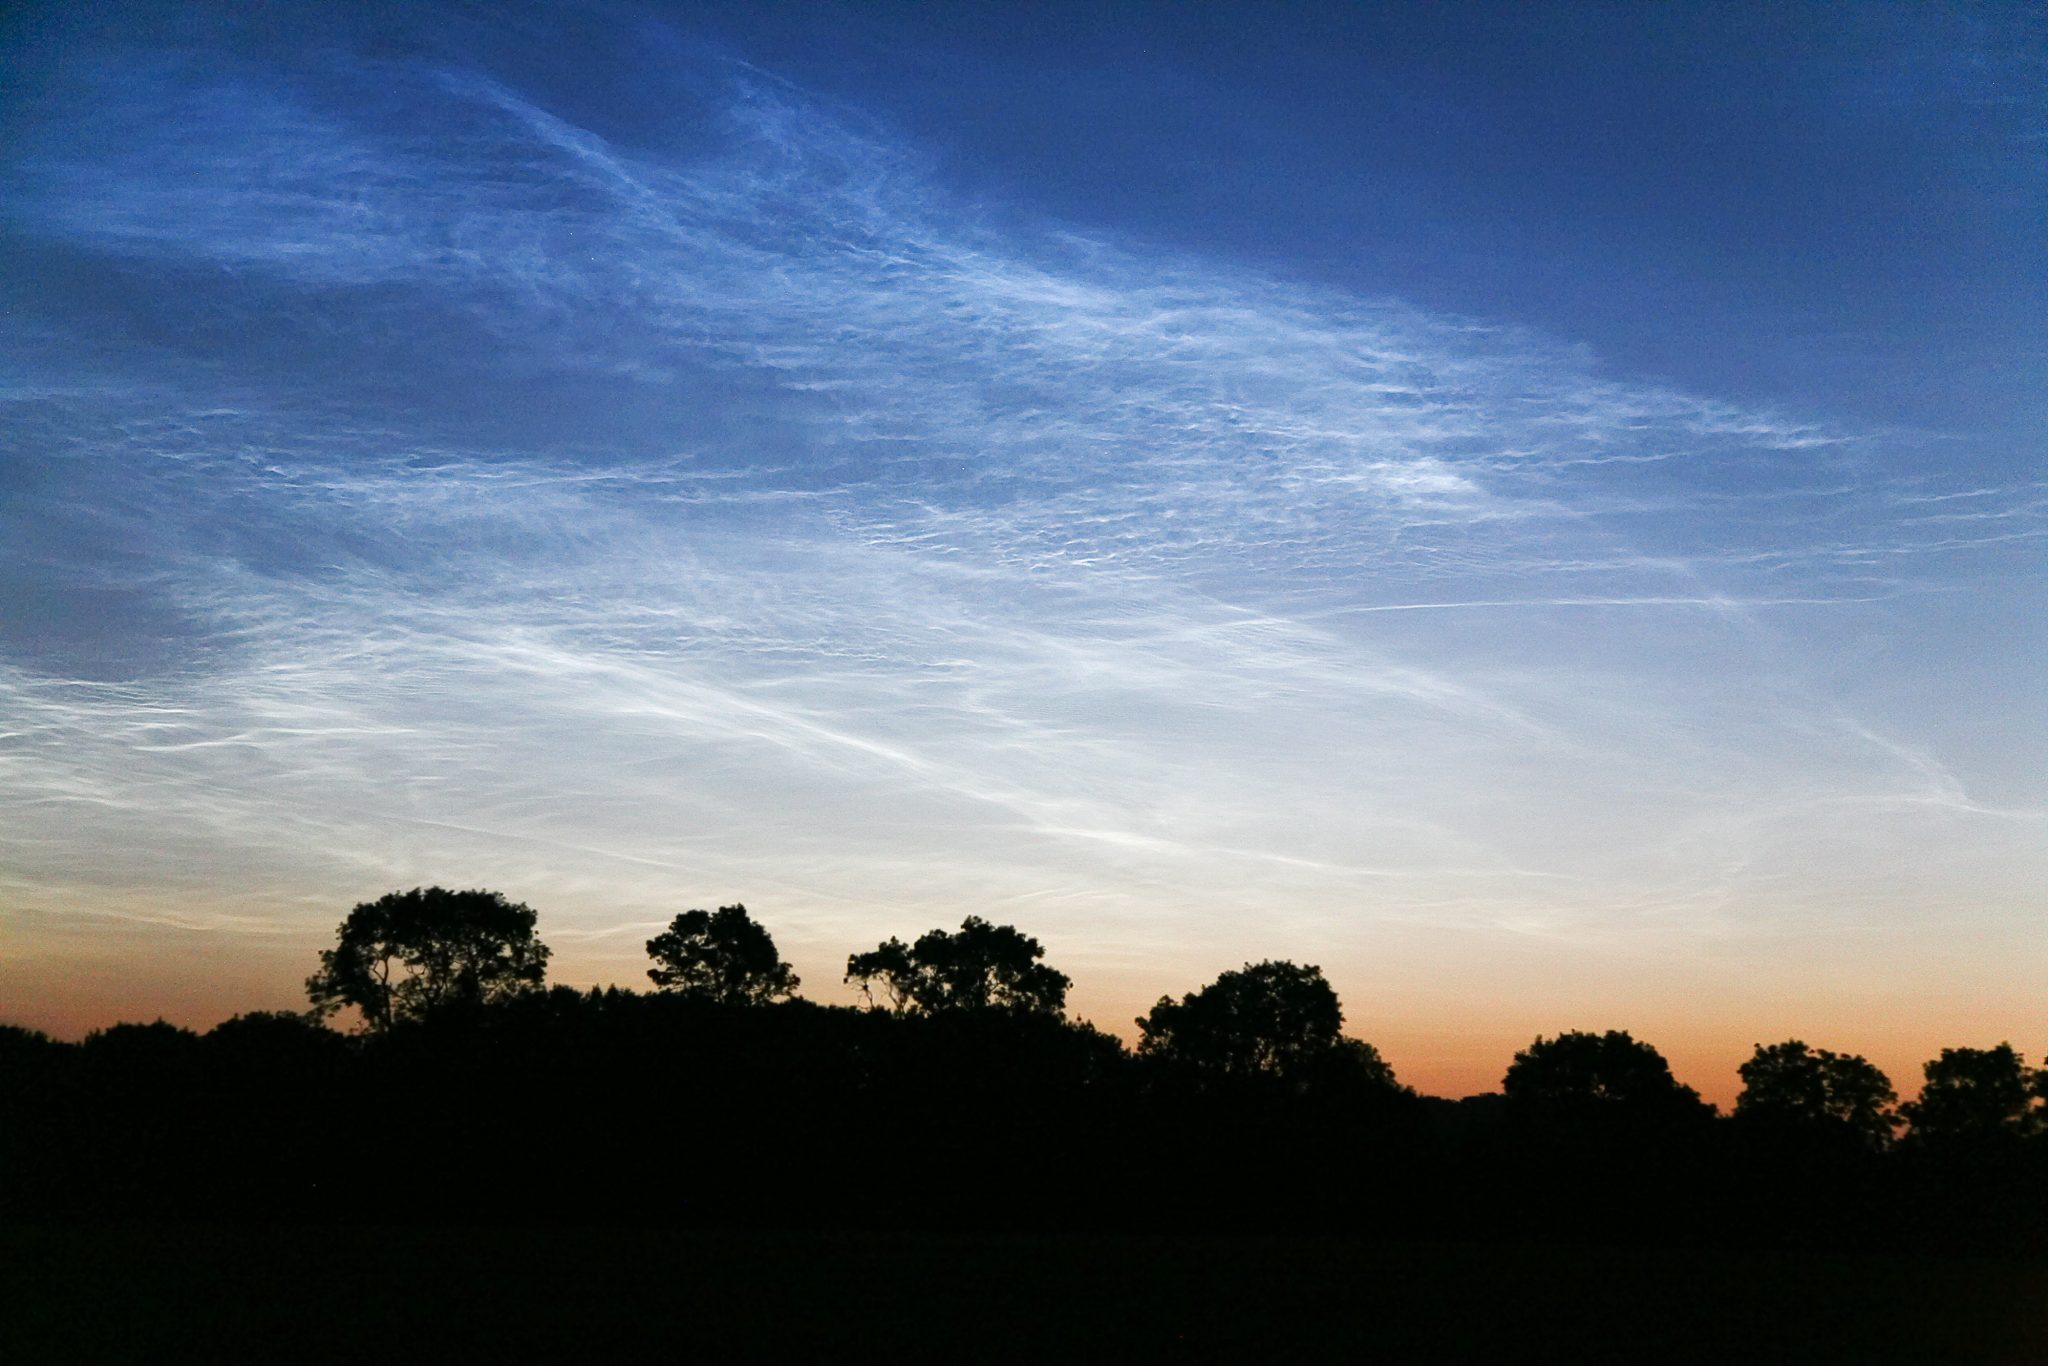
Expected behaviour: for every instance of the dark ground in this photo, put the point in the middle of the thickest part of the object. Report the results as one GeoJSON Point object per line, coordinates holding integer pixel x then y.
{"type": "Point", "coordinates": [157, 1295]}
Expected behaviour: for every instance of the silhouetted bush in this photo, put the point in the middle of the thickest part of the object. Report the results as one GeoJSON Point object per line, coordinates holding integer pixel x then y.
{"type": "Point", "coordinates": [974, 1105]}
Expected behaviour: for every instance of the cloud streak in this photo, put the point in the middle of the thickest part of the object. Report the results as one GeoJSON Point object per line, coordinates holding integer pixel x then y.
{"type": "Point", "coordinates": [631, 528]}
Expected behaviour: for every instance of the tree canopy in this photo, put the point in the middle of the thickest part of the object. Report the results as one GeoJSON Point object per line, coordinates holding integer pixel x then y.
{"type": "Point", "coordinates": [409, 954]}
{"type": "Point", "coordinates": [723, 956]}
{"type": "Point", "coordinates": [1792, 1086]}
{"type": "Point", "coordinates": [1973, 1095]}
{"type": "Point", "coordinates": [1580, 1071]}
{"type": "Point", "coordinates": [981, 967]}
{"type": "Point", "coordinates": [1271, 1019]}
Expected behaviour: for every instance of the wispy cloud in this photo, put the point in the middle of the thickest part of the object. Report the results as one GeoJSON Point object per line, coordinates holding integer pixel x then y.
{"type": "Point", "coordinates": [863, 552]}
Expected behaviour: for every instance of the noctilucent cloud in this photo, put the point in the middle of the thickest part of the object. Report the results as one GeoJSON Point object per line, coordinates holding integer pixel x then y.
{"type": "Point", "coordinates": [1538, 511]}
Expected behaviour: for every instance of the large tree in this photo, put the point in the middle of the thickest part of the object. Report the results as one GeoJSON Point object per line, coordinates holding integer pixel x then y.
{"type": "Point", "coordinates": [982, 967]}
{"type": "Point", "coordinates": [1973, 1095]}
{"type": "Point", "coordinates": [1272, 1019]}
{"type": "Point", "coordinates": [409, 954]}
{"type": "Point", "coordinates": [722, 956]}
{"type": "Point", "coordinates": [1793, 1087]}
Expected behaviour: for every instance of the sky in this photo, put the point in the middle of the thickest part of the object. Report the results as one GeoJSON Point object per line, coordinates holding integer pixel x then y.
{"type": "Point", "coordinates": [1537, 510]}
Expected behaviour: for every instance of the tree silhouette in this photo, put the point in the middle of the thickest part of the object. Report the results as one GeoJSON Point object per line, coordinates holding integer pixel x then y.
{"type": "Point", "coordinates": [1791, 1086]}
{"type": "Point", "coordinates": [1973, 1095]}
{"type": "Point", "coordinates": [1353, 1065]}
{"type": "Point", "coordinates": [409, 954]}
{"type": "Point", "coordinates": [721, 956]}
{"type": "Point", "coordinates": [1272, 1019]}
{"type": "Point", "coordinates": [273, 1044]}
{"type": "Point", "coordinates": [24, 1051]}
{"type": "Point", "coordinates": [1585, 1072]}
{"type": "Point", "coordinates": [155, 1049]}
{"type": "Point", "coordinates": [982, 967]}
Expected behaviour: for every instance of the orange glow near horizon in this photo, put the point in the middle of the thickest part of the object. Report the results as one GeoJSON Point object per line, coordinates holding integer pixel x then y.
{"type": "Point", "coordinates": [1439, 1046]}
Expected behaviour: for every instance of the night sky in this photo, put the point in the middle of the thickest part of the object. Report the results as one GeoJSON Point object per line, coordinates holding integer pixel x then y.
{"type": "Point", "coordinates": [1536, 509]}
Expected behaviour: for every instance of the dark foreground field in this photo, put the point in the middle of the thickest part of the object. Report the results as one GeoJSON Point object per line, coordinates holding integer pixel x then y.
{"type": "Point", "coordinates": [210, 1294]}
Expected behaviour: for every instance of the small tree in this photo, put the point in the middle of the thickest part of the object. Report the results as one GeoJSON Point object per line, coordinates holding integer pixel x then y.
{"type": "Point", "coordinates": [1272, 1019]}
{"type": "Point", "coordinates": [721, 956]}
{"type": "Point", "coordinates": [1791, 1086]}
{"type": "Point", "coordinates": [983, 967]}
{"type": "Point", "coordinates": [1973, 1095]}
{"type": "Point", "coordinates": [409, 954]}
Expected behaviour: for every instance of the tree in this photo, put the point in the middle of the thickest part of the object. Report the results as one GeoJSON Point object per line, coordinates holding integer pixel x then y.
{"type": "Point", "coordinates": [1272, 1019]}
{"type": "Point", "coordinates": [721, 956]}
{"type": "Point", "coordinates": [1973, 1095]}
{"type": "Point", "coordinates": [983, 967]}
{"type": "Point", "coordinates": [275, 1046]}
{"type": "Point", "coordinates": [1596, 1073]}
{"type": "Point", "coordinates": [1791, 1086]}
{"type": "Point", "coordinates": [139, 1048]}
{"type": "Point", "coordinates": [409, 954]}
{"type": "Point", "coordinates": [1353, 1065]}
{"type": "Point", "coordinates": [21, 1046]}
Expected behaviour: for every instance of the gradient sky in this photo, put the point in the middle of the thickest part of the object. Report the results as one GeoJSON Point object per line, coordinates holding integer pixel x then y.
{"type": "Point", "coordinates": [1538, 510]}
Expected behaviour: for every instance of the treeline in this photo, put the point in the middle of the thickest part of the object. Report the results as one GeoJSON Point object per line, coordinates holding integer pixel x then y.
{"type": "Point", "coordinates": [961, 1096]}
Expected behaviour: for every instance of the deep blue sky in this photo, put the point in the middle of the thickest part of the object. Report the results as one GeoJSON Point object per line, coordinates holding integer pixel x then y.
{"type": "Point", "coordinates": [1781, 203]}
{"type": "Point", "coordinates": [1538, 499]}
{"type": "Point", "coordinates": [1801, 203]}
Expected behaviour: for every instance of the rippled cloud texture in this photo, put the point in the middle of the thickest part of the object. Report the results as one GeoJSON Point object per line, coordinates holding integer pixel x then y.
{"type": "Point", "coordinates": [407, 482]}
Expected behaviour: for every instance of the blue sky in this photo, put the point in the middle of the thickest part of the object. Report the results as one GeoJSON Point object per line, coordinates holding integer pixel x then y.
{"type": "Point", "coordinates": [1539, 512]}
